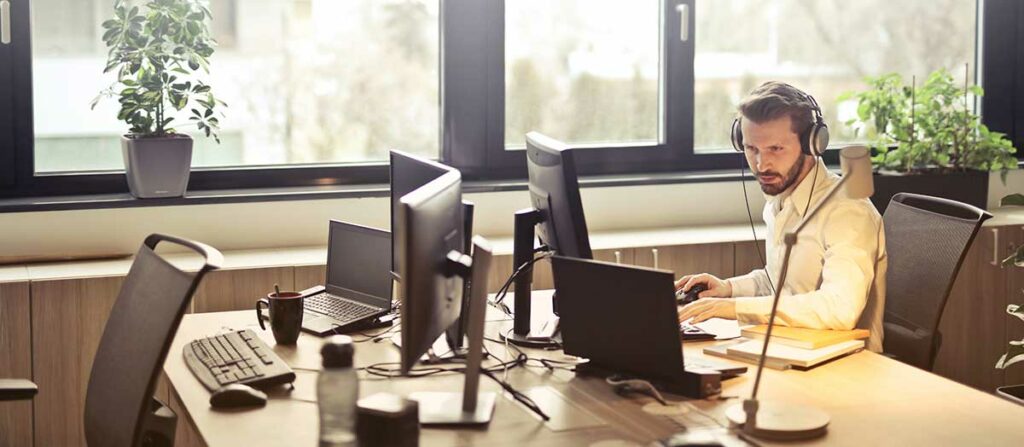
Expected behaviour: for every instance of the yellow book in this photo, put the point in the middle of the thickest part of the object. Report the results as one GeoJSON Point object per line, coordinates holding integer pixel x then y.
{"type": "Point", "coordinates": [804, 338]}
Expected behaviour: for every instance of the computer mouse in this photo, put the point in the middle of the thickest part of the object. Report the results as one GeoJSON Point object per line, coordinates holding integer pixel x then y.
{"type": "Point", "coordinates": [689, 296]}
{"type": "Point", "coordinates": [237, 395]}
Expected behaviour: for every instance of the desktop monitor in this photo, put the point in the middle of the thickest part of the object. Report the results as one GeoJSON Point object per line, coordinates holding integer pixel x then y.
{"type": "Point", "coordinates": [433, 272]}
{"type": "Point", "coordinates": [555, 193]}
{"type": "Point", "coordinates": [428, 229]}
{"type": "Point", "coordinates": [408, 173]}
{"type": "Point", "coordinates": [557, 220]}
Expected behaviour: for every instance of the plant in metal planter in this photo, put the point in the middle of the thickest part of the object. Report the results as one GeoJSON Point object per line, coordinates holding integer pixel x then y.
{"type": "Point", "coordinates": [157, 53]}
{"type": "Point", "coordinates": [929, 131]}
{"type": "Point", "coordinates": [1015, 348]}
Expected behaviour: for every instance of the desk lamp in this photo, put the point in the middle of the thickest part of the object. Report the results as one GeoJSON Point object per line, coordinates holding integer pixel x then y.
{"type": "Point", "coordinates": [786, 421]}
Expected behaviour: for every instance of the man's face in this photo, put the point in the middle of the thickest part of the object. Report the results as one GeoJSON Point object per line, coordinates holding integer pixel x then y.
{"type": "Point", "coordinates": [773, 153]}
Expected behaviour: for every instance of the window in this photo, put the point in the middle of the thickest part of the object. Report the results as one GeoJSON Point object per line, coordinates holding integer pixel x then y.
{"type": "Point", "coordinates": [825, 47]}
{"type": "Point", "coordinates": [581, 71]}
{"type": "Point", "coordinates": [307, 82]}
{"type": "Point", "coordinates": [319, 90]}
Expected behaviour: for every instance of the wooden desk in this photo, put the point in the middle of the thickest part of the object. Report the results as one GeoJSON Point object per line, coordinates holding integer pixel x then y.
{"type": "Point", "coordinates": [873, 400]}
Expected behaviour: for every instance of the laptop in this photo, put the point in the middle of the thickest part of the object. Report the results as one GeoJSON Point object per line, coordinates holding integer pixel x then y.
{"type": "Point", "coordinates": [359, 284]}
{"type": "Point", "coordinates": [624, 319]}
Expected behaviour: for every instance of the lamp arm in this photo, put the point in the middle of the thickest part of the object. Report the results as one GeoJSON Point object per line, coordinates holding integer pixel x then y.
{"type": "Point", "coordinates": [771, 316]}
{"type": "Point", "coordinates": [831, 192]}
{"type": "Point", "coordinates": [790, 241]}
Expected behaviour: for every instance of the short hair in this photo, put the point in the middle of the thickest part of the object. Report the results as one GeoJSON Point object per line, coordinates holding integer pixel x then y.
{"type": "Point", "coordinates": [773, 100]}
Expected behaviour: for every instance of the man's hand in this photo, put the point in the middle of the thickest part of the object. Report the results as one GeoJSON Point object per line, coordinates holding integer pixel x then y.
{"type": "Point", "coordinates": [716, 287]}
{"type": "Point", "coordinates": [704, 309]}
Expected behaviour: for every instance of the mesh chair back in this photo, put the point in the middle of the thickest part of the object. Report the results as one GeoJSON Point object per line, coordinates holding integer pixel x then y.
{"type": "Point", "coordinates": [926, 239]}
{"type": "Point", "coordinates": [135, 341]}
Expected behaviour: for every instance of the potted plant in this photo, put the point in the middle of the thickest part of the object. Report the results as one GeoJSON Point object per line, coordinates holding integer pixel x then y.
{"type": "Point", "coordinates": [1015, 348]}
{"type": "Point", "coordinates": [157, 53]}
{"type": "Point", "coordinates": [927, 140]}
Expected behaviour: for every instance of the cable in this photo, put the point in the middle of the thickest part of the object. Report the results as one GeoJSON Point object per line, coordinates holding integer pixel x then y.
{"type": "Point", "coordinates": [385, 369]}
{"type": "Point", "coordinates": [518, 396]}
{"type": "Point", "coordinates": [814, 180]}
{"type": "Point", "coordinates": [380, 336]}
{"type": "Point", "coordinates": [524, 268]}
{"type": "Point", "coordinates": [760, 256]}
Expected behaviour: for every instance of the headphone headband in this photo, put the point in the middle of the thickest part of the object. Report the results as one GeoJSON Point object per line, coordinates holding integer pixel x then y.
{"type": "Point", "coordinates": [813, 141]}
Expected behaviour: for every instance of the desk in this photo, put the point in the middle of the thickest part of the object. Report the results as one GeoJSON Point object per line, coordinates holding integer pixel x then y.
{"type": "Point", "coordinates": [873, 400]}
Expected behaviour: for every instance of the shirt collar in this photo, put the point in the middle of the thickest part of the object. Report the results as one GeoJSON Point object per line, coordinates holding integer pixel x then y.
{"type": "Point", "coordinates": [798, 196]}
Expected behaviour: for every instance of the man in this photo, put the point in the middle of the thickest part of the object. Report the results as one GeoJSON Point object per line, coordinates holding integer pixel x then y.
{"type": "Point", "coordinates": [836, 278]}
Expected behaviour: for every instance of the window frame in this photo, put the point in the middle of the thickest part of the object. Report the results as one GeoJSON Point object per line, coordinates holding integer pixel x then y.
{"type": "Point", "coordinates": [472, 109]}
{"type": "Point", "coordinates": [1000, 34]}
{"type": "Point", "coordinates": [675, 105]}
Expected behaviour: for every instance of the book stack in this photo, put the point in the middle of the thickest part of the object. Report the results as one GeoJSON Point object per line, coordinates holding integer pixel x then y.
{"type": "Point", "coordinates": [792, 347]}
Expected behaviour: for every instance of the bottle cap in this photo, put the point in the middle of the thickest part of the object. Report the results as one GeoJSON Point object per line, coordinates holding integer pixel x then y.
{"type": "Point", "coordinates": [337, 352]}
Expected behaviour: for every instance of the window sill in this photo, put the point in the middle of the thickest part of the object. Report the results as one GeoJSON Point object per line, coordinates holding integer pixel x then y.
{"type": "Point", "coordinates": [105, 201]}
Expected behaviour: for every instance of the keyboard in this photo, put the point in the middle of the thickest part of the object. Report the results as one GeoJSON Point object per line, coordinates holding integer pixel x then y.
{"type": "Point", "coordinates": [339, 309]}
{"type": "Point", "coordinates": [689, 332]}
{"type": "Point", "coordinates": [236, 357]}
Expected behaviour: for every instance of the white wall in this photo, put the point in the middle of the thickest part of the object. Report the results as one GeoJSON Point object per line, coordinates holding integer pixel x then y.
{"type": "Point", "coordinates": [301, 223]}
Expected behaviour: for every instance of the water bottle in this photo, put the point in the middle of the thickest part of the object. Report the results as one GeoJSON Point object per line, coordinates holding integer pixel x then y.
{"type": "Point", "coordinates": [337, 390]}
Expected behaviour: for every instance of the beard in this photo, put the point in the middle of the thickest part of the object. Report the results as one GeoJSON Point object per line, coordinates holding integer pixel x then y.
{"type": "Point", "coordinates": [790, 178]}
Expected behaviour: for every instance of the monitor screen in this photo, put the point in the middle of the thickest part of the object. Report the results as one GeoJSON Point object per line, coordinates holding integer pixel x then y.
{"type": "Point", "coordinates": [359, 263]}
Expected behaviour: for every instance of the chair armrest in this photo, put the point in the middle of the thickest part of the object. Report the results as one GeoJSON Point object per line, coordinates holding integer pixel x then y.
{"type": "Point", "coordinates": [17, 389]}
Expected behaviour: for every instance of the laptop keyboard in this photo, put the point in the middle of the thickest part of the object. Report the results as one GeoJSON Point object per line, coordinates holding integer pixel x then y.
{"type": "Point", "coordinates": [338, 309]}
{"type": "Point", "coordinates": [689, 332]}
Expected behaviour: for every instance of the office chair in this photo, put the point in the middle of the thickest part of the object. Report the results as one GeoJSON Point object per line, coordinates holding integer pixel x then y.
{"type": "Point", "coordinates": [119, 406]}
{"type": "Point", "coordinates": [926, 239]}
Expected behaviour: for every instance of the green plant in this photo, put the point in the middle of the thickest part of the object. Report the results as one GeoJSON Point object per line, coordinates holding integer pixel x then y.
{"type": "Point", "coordinates": [157, 54]}
{"type": "Point", "coordinates": [927, 127]}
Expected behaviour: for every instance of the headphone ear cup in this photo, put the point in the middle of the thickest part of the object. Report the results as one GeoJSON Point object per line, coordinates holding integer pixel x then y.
{"type": "Point", "coordinates": [819, 140]}
{"type": "Point", "coordinates": [736, 136]}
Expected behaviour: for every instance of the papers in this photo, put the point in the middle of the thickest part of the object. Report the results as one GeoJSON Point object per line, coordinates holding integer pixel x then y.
{"type": "Point", "coordinates": [722, 329]}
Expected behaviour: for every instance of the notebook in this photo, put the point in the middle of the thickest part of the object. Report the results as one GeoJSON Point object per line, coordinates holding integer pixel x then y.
{"type": "Point", "coordinates": [804, 358]}
{"type": "Point", "coordinates": [804, 338]}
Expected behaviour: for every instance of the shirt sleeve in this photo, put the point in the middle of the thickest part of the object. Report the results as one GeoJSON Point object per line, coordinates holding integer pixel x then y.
{"type": "Point", "coordinates": [754, 283]}
{"type": "Point", "coordinates": [850, 234]}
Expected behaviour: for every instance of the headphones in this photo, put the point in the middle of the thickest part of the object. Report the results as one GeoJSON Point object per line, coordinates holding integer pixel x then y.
{"type": "Point", "coordinates": [813, 140]}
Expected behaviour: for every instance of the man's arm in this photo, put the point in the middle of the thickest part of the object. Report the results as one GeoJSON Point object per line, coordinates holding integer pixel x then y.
{"type": "Point", "coordinates": [755, 283]}
{"type": "Point", "coordinates": [851, 241]}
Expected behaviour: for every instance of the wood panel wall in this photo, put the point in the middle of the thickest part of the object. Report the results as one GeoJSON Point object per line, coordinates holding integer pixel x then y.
{"type": "Point", "coordinates": [15, 361]}
{"type": "Point", "coordinates": [49, 330]}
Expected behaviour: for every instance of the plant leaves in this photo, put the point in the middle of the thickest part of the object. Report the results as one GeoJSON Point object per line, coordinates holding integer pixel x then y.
{"type": "Point", "coordinates": [1015, 259]}
{"type": "Point", "coordinates": [150, 45]}
{"type": "Point", "coordinates": [1012, 200]}
{"type": "Point", "coordinates": [1014, 354]}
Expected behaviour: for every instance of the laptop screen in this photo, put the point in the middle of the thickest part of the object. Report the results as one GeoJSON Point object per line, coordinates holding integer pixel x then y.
{"type": "Point", "coordinates": [359, 263]}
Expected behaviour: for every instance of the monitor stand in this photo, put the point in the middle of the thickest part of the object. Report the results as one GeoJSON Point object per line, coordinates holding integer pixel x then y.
{"type": "Point", "coordinates": [548, 335]}
{"type": "Point", "coordinates": [522, 253]}
{"type": "Point", "coordinates": [470, 407]}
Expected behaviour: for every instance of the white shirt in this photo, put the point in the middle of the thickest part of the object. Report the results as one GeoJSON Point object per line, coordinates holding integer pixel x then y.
{"type": "Point", "coordinates": [836, 277]}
